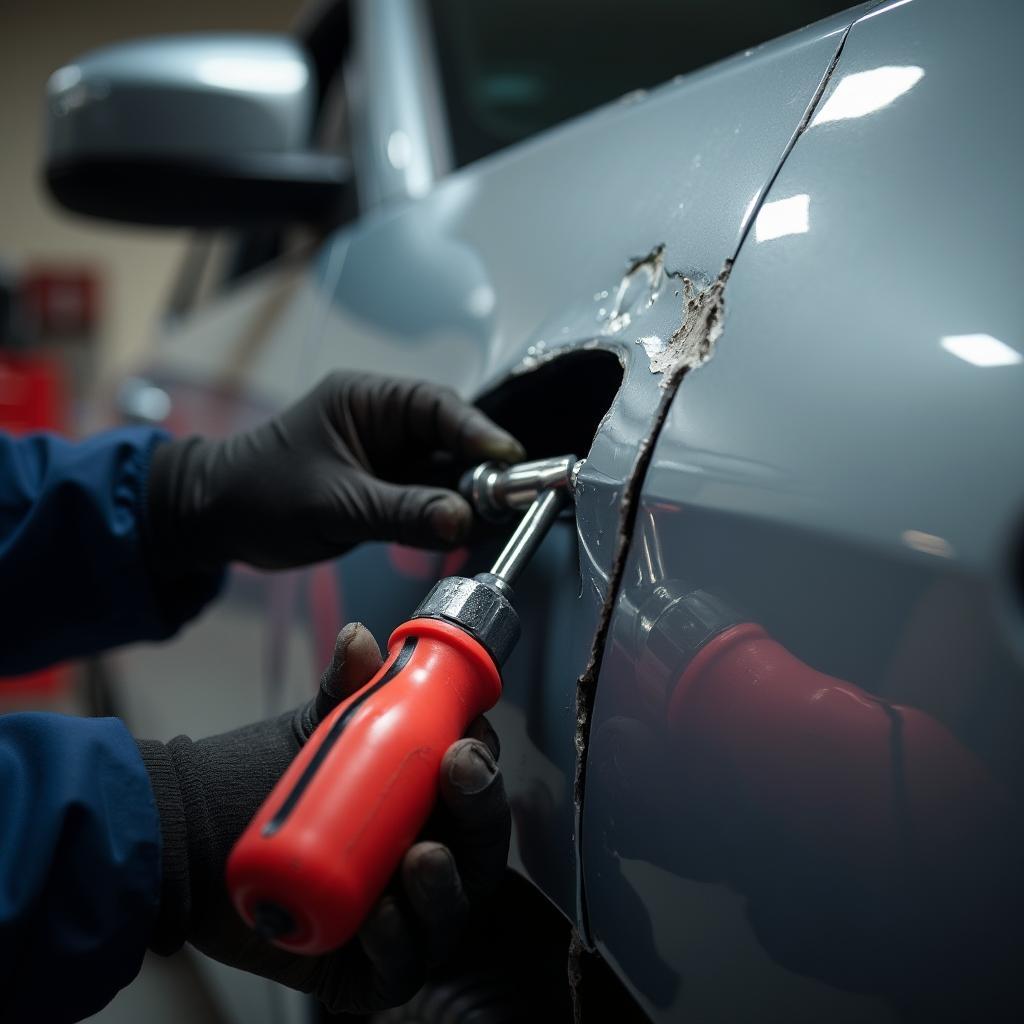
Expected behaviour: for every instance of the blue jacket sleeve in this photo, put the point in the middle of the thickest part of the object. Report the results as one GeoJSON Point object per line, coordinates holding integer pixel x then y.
{"type": "Point", "coordinates": [73, 573]}
{"type": "Point", "coordinates": [79, 865]}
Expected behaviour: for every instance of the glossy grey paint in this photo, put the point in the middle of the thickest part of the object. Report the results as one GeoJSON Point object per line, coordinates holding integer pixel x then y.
{"type": "Point", "coordinates": [844, 473]}
{"type": "Point", "coordinates": [504, 265]}
{"type": "Point", "coordinates": [196, 95]}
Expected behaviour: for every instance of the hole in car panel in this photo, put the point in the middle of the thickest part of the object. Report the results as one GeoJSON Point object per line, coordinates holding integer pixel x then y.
{"type": "Point", "coordinates": [557, 407]}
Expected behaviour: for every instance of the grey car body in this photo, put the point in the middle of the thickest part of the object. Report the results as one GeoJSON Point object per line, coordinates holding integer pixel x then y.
{"type": "Point", "coordinates": [822, 233]}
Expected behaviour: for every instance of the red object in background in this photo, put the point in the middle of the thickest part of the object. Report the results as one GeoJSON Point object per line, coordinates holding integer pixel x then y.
{"type": "Point", "coordinates": [60, 301]}
{"type": "Point", "coordinates": [32, 397]}
{"type": "Point", "coordinates": [56, 302]}
{"type": "Point", "coordinates": [33, 393]}
{"type": "Point", "coordinates": [46, 684]}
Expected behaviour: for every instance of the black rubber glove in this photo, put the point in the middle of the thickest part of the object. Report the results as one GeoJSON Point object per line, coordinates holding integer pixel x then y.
{"type": "Point", "coordinates": [208, 790]}
{"type": "Point", "coordinates": [319, 478]}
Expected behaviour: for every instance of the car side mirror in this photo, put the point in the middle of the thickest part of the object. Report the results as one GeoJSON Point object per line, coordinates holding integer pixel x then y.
{"type": "Point", "coordinates": [191, 131]}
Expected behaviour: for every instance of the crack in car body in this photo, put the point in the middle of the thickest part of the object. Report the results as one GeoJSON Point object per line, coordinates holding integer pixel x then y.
{"type": "Point", "coordinates": [689, 347]}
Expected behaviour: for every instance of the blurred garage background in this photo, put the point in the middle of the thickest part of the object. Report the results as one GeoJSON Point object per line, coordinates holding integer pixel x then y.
{"type": "Point", "coordinates": [78, 304]}
{"type": "Point", "coordinates": [128, 270]}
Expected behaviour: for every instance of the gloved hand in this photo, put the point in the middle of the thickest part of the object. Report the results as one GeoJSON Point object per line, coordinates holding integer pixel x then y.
{"type": "Point", "coordinates": [319, 478]}
{"type": "Point", "coordinates": [208, 790]}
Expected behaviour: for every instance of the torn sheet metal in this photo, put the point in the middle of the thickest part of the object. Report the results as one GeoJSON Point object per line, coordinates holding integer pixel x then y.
{"type": "Point", "coordinates": [693, 341]}
{"type": "Point", "coordinates": [690, 345]}
{"type": "Point", "coordinates": [637, 292]}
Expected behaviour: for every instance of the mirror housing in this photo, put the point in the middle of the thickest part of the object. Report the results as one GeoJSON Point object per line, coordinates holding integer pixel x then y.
{"type": "Point", "coordinates": [191, 131]}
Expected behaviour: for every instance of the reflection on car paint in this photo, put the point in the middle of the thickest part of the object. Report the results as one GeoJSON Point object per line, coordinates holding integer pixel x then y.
{"type": "Point", "coordinates": [864, 92]}
{"type": "Point", "coordinates": [874, 849]}
{"type": "Point", "coordinates": [783, 217]}
{"type": "Point", "coordinates": [396, 292]}
{"type": "Point", "coordinates": [981, 350]}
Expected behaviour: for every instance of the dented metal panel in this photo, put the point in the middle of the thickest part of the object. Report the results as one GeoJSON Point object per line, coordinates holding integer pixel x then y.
{"type": "Point", "coordinates": [845, 473]}
{"type": "Point", "coordinates": [507, 267]}
{"type": "Point", "coordinates": [514, 261]}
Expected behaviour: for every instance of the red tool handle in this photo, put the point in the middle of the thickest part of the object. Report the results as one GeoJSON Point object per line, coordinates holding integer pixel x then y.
{"type": "Point", "coordinates": [326, 841]}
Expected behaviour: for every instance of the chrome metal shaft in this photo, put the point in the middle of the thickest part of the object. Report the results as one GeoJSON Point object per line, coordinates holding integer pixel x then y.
{"type": "Point", "coordinates": [529, 533]}
{"type": "Point", "coordinates": [495, 489]}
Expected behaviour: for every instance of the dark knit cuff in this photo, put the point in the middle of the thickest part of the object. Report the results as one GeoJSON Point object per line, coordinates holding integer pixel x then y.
{"type": "Point", "coordinates": [175, 890]}
{"type": "Point", "coordinates": [181, 587]}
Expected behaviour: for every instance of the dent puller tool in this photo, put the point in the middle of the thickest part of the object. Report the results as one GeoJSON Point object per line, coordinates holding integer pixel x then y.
{"type": "Point", "coordinates": [320, 851]}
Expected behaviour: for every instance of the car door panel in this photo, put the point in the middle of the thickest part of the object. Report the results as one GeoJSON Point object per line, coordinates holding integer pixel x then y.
{"type": "Point", "coordinates": [504, 268]}
{"type": "Point", "coordinates": [844, 472]}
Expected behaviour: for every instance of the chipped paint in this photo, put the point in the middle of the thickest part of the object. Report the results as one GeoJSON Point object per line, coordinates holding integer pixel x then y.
{"type": "Point", "coordinates": [653, 345]}
{"type": "Point", "coordinates": [638, 290]}
{"type": "Point", "coordinates": [540, 353]}
{"type": "Point", "coordinates": [536, 354]}
{"type": "Point", "coordinates": [693, 341]}
{"type": "Point", "coordinates": [691, 345]}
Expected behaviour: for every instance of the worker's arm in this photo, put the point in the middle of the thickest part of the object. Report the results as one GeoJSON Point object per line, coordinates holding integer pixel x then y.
{"type": "Point", "coordinates": [79, 865]}
{"type": "Point", "coordinates": [108, 844]}
{"type": "Point", "coordinates": [123, 537]}
{"type": "Point", "coordinates": [208, 790]}
{"type": "Point", "coordinates": [72, 565]}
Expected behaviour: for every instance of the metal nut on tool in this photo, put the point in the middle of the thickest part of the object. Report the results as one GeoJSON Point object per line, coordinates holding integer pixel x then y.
{"type": "Point", "coordinates": [495, 489]}
{"type": "Point", "coordinates": [479, 608]}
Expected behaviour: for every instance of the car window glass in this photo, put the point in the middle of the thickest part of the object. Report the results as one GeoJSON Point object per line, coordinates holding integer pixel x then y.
{"type": "Point", "coordinates": [511, 68]}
